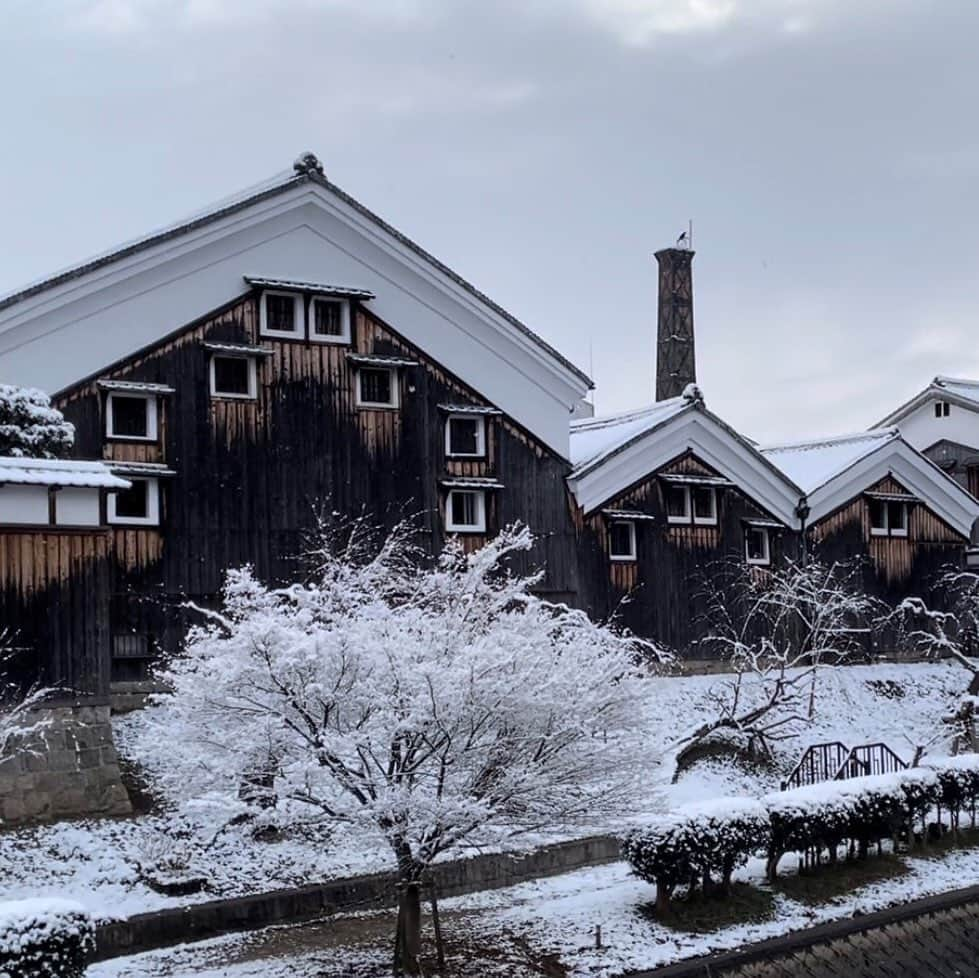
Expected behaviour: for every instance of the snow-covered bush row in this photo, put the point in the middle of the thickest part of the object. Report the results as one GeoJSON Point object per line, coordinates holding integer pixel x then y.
{"type": "Point", "coordinates": [44, 938]}
{"type": "Point", "coordinates": [696, 843]}
{"type": "Point", "coordinates": [30, 427]}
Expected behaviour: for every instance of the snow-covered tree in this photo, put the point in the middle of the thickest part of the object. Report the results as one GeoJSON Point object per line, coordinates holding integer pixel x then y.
{"type": "Point", "coordinates": [30, 427]}
{"type": "Point", "coordinates": [434, 707]}
{"type": "Point", "coordinates": [776, 630]}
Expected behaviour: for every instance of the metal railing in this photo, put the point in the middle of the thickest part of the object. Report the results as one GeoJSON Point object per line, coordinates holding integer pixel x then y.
{"type": "Point", "coordinates": [835, 761]}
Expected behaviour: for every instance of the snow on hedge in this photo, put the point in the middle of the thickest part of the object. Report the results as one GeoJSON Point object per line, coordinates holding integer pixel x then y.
{"type": "Point", "coordinates": [44, 938]}
{"type": "Point", "coordinates": [30, 427]}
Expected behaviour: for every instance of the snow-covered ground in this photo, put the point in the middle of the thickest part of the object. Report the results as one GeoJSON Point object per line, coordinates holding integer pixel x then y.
{"type": "Point", "coordinates": [96, 862]}
{"type": "Point", "coordinates": [548, 918]}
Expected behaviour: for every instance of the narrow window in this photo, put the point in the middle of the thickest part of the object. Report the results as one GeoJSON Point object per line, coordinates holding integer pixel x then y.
{"type": "Point", "coordinates": [131, 416]}
{"type": "Point", "coordinates": [757, 548]}
{"type": "Point", "coordinates": [233, 377]}
{"type": "Point", "coordinates": [281, 314]}
{"type": "Point", "coordinates": [331, 321]}
{"type": "Point", "coordinates": [465, 436]}
{"type": "Point", "coordinates": [677, 504]}
{"type": "Point", "coordinates": [878, 518]}
{"type": "Point", "coordinates": [465, 511]}
{"type": "Point", "coordinates": [942, 409]}
{"type": "Point", "coordinates": [622, 540]}
{"type": "Point", "coordinates": [139, 504]}
{"type": "Point", "coordinates": [377, 387]}
{"type": "Point", "coordinates": [704, 505]}
{"type": "Point", "coordinates": [897, 519]}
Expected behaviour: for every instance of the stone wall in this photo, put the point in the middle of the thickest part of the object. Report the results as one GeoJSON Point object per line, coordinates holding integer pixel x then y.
{"type": "Point", "coordinates": [67, 768]}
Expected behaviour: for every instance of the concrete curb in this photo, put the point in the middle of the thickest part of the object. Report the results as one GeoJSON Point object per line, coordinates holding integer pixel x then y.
{"type": "Point", "coordinates": [788, 944]}
{"type": "Point", "coordinates": [199, 921]}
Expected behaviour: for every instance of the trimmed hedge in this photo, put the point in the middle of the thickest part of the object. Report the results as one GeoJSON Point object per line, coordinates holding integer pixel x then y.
{"type": "Point", "coordinates": [44, 939]}
{"type": "Point", "coordinates": [697, 842]}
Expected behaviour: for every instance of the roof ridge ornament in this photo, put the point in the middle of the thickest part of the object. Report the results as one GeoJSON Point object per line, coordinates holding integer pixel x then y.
{"type": "Point", "coordinates": [308, 163]}
{"type": "Point", "coordinates": [692, 394]}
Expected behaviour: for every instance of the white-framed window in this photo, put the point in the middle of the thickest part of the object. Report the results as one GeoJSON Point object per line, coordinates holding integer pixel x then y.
{"type": "Point", "coordinates": [465, 436]}
{"type": "Point", "coordinates": [139, 505]}
{"type": "Point", "coordinates": [691, 504]}
{"type": "Point", "coordinates": [888, 518]}
{"type": "Point", "coordinates": [377, 387]}
{"type": "Point", "coordinates": [757, 546]}
{"type": "Point", "coordinates": [281, 314]}
{"type": "Point", "coordinates": [465, 511]}
{"type": "Point", "coordinates": [234, 376]}
{"type": "Point", "coordinates": [942, 409]}
{"type": "Point", "coordinates": [329, 320]}
{"type": "Point", "coordinates": [621, 540]}
{"type": "Point", "coordinates": [132, 417]}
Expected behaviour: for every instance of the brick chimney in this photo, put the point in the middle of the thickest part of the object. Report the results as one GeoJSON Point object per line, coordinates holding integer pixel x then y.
{"type": "Point", "coordinates": [675, 363]}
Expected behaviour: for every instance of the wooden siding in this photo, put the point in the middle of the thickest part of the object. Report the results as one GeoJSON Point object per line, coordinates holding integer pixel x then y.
{"type": "Point", "coordinates": [54, 601]}
{"type": "Point", "coordinates": [896, 566]}
{"type": "Point", "coordinates": [659, 595]}
{"type": "Point", "coordinates": [254, 476]}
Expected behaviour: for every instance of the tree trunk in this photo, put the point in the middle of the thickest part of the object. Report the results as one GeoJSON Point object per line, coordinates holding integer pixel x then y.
{"type": "Point", "coordinates": [662, 899]}
{"type": "Point", "coordinates": [410, 925]}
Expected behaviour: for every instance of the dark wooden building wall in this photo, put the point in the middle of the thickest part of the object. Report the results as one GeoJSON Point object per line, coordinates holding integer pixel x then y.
{"type": "Point", "coordinates": [252, 476]}
{"type": "Point", "coordinates": [664, 586]}
{"type": "Point", "coordinates": [895, 566]}
{"type": "Point", "coordinates": [54, 603]}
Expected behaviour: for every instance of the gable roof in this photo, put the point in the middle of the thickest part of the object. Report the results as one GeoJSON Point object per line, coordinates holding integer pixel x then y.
{"type": "Point", "coordinates": [835, 470]}
{"type": "Point", "coordinates": [956, 390]}
{"type": "Point", "coordinates": [612, 454]}
{"type": "Point", "coordinates": [293, 227]}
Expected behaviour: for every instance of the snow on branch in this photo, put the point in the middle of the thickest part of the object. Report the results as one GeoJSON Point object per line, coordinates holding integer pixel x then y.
{"type": "Point", "coordinates": [30, 427]}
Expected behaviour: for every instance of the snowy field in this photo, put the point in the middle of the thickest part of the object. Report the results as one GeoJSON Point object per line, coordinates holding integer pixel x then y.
{"type": "Point", "coordinates": [548, 920]}
{"type": "Point", "coordinates": [98, 863]}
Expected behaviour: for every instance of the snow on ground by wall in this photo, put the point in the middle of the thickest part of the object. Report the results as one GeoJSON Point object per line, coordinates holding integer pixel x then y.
{"type": "Point", "coordinates": [96, 862]}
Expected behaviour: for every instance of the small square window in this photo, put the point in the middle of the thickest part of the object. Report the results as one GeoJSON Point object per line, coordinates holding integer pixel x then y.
{"type": "Point", "coordinates": [136, 505]}
{"type": "Point", "coordinates": [330, 321]}
{"type": "Point", "coordinates": [757, 546]}
{"type": "Point", "coordinates": [377, 387]}
{"type": "Point", "coordinates": [131, 416]}
{"type": "Point", "coordinates": [465, 435]}
{"type": "Point", "coordinates": [677, 504]}
{"type": "Point", "coordinates": [465, 511]}
{"type": "Point", "coordinates": [622, 540]}
{"type": "Point", "coordinates": [233, 377]}
{"type": "Point", "coordinates": [281, 314]}
{"type": "Point", "coordinates": [878, 517]}
{"type": "Point", "coordinates": [704, 505]}
{"type": "Point", "coordinates": [942, 409]}
{"type": "Point", "coordinates": [897, 519]}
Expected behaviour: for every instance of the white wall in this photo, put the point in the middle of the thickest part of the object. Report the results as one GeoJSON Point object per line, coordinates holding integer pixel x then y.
{"type": "Point", "coordinates": [24, 504]}
{"type": "Point", "coordinates": [922, 429]}
{"type": "Point", "coordinates": [77, 507]}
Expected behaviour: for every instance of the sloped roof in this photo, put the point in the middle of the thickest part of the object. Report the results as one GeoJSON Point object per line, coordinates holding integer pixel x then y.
{"type": "Point", "coordinates": [58, 472]}
{"type": "Point", "coordinates": [811, 464]}
{"type": "Point", "coordinates": [303, 172]}
{"type": "Point", "coordinates": [594, 439]}
{"type": "Point", "coordinates": [957, 390]}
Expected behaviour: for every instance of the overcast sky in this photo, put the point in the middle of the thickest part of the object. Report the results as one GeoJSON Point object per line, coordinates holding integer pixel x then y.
{"type": "Point", "coordinates": [826, 150]}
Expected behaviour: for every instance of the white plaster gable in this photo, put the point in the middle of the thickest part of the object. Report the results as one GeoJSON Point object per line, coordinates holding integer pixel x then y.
{"type": "Point", "coordinates": [72, 328]}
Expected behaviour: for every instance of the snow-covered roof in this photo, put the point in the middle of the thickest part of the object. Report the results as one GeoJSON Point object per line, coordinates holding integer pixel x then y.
{"type": "Point", "coordinates": [291, 228]}
{"type": "Point", "coordinates": [612, 453]}
{"type": "Point", "coordinates": [957, 390]}
{"type": "Point", "coordinates": [835, 470]}
{"type": "Point", "coordinates": [340, 291]}
{"type": "Point", "coordinates": [58, 472]}
{"type": "Point", "coordinates": [595, 439]}
{"type": "Point", "coordinates": [811, 464]}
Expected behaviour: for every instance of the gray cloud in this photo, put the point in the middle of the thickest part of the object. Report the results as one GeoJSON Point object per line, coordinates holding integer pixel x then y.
{"type": "Point", "coordinates": [825, 150]}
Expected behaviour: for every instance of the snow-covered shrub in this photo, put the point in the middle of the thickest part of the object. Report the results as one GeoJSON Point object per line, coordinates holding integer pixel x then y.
{"type": "Point", "coordinates": [44, 938]}
{"type": "Point", "coordinates": [958, 784]}
{"type": "Point", "coordinates": [30, 427]}
{"type": "Point", "coordinates": [696, 843]}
